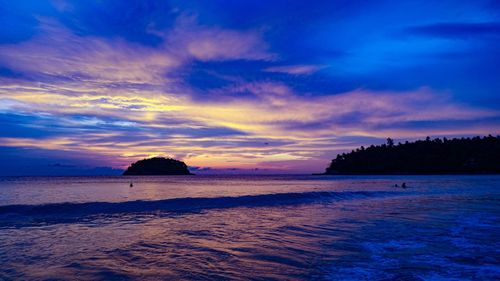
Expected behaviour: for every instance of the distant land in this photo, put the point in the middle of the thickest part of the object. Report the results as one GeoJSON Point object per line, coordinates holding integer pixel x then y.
{"type": "Point", "coordinates": [157, 166]}
{"type": "Point", "coordinates": [430, 156]}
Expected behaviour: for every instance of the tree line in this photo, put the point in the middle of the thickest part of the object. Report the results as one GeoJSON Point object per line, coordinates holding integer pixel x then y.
{"type": "Point", "coordinates": [476, 155]}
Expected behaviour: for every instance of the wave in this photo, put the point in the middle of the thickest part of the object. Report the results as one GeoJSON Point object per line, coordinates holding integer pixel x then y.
{"type": "Point", "coordinates": [21, 215]}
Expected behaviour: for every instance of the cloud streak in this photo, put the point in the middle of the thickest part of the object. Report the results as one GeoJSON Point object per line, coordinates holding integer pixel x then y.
{"type": "Point", "coordinates": [458, 30]}
{"type": "Point", "coordinates": [304, 69]}
{"type": "Point", "coordinates": [58, 53]}
{"type": "Point", "coordinates": [276, 125]}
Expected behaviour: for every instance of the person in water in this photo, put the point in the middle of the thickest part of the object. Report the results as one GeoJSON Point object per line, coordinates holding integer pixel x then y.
{"type": "Point", "coordinates": [403, 185]}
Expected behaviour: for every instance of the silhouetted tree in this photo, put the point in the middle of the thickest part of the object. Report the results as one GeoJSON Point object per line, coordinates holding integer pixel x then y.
{"type": "Point", "coordinates": [447, 156]}
{"type": "Point", "coordinates": [390, 142]}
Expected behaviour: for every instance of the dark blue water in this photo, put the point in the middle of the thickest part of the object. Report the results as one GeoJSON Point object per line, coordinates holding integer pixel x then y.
{"type": "Point", "coordinates": [250, 228]}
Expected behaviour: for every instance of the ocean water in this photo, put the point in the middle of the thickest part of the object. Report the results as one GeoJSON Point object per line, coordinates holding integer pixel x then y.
{"type": "Point", "coordinates": [250, 228]}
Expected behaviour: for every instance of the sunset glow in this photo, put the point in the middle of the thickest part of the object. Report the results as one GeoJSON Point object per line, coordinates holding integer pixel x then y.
{"type": "Point", "coordinates": [240, 87]}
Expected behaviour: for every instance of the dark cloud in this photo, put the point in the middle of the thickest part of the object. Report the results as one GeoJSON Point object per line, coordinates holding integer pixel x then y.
{"type": "Point", "coordinates": [460, 30]}
{"type": "Point", "coordinates": [38, 162]}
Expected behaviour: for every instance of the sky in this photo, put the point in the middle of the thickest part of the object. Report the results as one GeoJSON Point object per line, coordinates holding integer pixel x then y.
{"type": "Point", "coordinates": [88, 87]}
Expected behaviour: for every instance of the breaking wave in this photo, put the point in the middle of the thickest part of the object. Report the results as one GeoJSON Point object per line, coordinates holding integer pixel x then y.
{"type": "Point", "coordinates": [22, 215]}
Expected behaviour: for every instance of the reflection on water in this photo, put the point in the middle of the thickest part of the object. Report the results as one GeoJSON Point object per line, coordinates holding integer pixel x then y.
{"type": "Point", "coordinates": [352, 228]}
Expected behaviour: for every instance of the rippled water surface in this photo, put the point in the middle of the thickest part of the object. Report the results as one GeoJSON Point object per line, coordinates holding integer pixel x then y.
{"type": "Point", "coordinates": [250, 228]}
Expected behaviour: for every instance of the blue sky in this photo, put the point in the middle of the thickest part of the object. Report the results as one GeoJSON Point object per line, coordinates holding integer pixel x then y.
{"type": "Point", "coordinates": [282, 86]}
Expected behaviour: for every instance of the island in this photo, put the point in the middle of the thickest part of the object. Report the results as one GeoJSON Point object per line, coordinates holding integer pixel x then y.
{"type": "Point", "coordinates": [477, 155]}
{"type": "Point", "coordinates": [157, 166]}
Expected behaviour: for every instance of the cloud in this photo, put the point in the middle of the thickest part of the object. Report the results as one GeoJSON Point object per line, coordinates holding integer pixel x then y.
{"type": "Point", "coordinates": [455, 30]}
{"type": "Point", "coordinates": [216, 44]}
{"type": "Point", "coordinates": [272, 125]}
{"type": "Point", "coordinates": [59, 53]}
{"type": "Point", "coordinates": [36, 162]}
{"type": "Point", "coordinates": [303, 69]}
{"type": "Point", "coordinates": [206, 43]}
{"type": "Point", "coordinates": [272, 104]}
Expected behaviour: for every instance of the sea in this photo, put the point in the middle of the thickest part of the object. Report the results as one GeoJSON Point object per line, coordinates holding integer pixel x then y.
{"type": "Point", "coordinates": [289, 227]}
